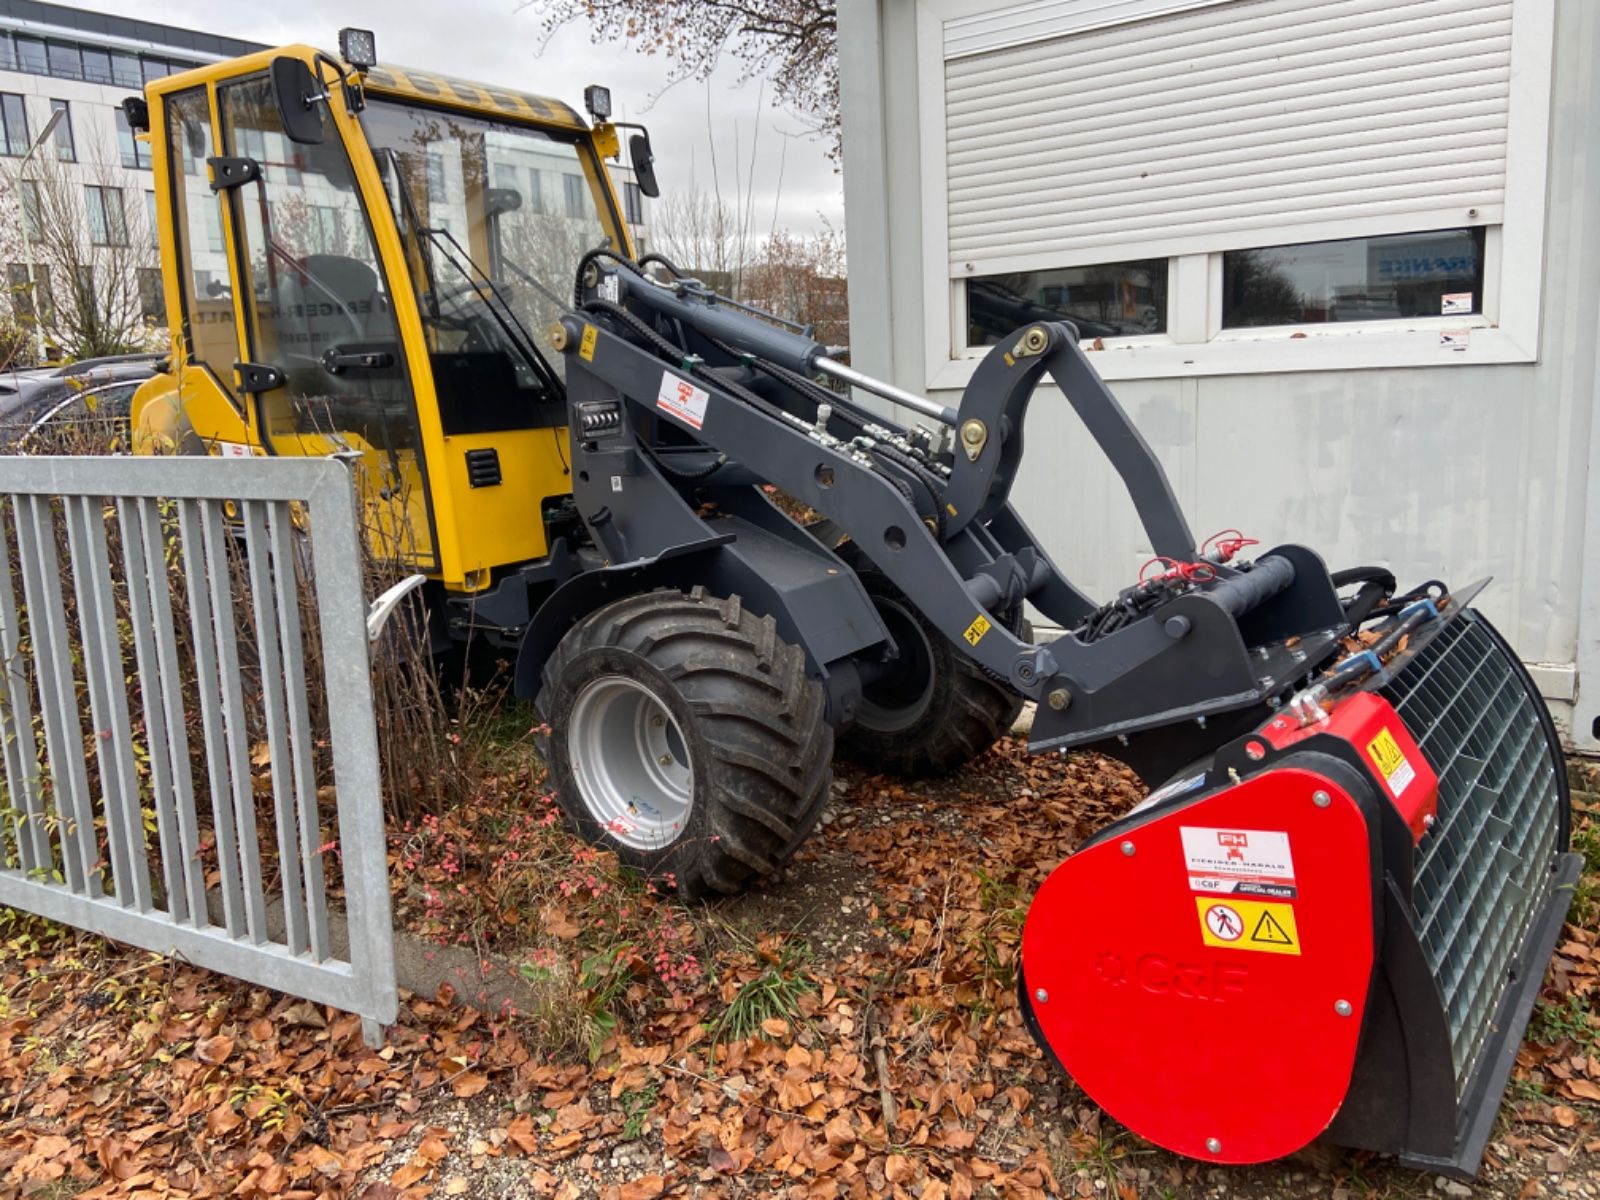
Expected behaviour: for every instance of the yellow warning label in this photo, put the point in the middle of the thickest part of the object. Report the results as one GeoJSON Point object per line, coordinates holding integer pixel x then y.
{"type": "Point", "coordinates": [586, 347]}
{"type": "Point", "coordinates": [975, 631]}
{"type": "Point", "coordinates": [1386, 752]}
{"type": "Point", "coordinates": [1248, 925]}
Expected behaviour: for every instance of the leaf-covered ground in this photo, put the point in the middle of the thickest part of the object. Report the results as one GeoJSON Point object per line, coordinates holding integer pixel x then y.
{"type": "Point", "coordinates": [849, 1030]}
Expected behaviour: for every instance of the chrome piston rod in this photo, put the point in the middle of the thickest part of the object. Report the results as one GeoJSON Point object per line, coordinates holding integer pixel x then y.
{"type": "Point", "coordinates": [888, 391]}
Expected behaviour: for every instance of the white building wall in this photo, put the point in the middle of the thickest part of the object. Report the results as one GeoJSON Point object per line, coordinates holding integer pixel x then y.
{"type": "Point", "coordinates": [1456, 470]}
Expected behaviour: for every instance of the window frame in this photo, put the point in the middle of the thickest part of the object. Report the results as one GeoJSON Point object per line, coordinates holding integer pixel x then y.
{"type": "Point", "coordinates": [71, 148]}
{"type": "Point", "coordinates": [95, 196]}
{"type": "Point", "coordinates": [5, 125]}
{"type": "Point", "coordinates": [1506, 330]}
{"type": "Point", "coordinates": [34, 228]}
{"type": "Point", "coordinates": [139, 160]}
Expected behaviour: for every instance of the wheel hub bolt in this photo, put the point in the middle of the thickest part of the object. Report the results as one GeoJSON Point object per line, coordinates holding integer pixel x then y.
{"type": "Point", "coordinates": [665, 760]}
{"type": "Point", "coordinates": [1060, 698]}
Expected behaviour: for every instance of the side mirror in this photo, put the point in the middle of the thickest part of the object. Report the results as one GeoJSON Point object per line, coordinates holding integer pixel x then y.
{"type": "Point", "coordinates": [644, 164]}
{"type": "Point", "coordinates": [298, 93]}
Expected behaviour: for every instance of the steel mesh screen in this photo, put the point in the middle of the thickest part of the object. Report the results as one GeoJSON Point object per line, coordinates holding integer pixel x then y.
{"type": "Point", "coordinates": [1483, 869]}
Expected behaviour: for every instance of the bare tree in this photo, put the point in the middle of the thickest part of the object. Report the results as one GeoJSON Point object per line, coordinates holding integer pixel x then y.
{"type": "Point", "coordinates": [92, 252]}
{"type": "Point", "coordinates": [705, 236]}
{"type": "Point", "coordinates": [802, 278]}
{"type": "Point", "coordinates": [791, 42]}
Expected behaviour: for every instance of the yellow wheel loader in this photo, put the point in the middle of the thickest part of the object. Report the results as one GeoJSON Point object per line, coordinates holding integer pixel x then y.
{"type": "Point", "coordinates": [1330, 916]}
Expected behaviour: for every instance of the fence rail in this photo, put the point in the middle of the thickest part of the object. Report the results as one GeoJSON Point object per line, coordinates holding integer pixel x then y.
{"type": "Point", "coordinates": [184, 695]}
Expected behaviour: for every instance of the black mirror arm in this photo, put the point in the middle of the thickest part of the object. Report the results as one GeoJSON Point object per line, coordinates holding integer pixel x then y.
{"type": "Point", "coordinates": [354, 96]}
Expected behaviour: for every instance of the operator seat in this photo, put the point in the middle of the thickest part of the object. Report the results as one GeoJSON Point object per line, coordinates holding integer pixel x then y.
{"type": "Point", "coordinates": [333, 300]}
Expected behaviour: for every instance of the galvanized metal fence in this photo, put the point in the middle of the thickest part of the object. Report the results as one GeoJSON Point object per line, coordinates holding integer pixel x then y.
{"type": "Point", "coordinates": [190, 755]}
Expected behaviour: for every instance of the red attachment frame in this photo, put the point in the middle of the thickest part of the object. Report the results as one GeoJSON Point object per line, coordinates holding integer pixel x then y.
{"type": "Point", "coordinates": [1386, 747]}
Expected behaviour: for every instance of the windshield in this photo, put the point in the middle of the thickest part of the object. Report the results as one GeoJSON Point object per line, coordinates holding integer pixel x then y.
{"type": "Point", "coordinates": [494, 218]}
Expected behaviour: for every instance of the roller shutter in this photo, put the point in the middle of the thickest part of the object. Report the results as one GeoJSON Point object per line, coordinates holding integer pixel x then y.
{"type": "Point", "coordinates": [1226, 126]}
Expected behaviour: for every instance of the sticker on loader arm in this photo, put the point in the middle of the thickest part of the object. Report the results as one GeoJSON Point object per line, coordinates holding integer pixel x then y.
{"type": "Point", "coordinates": [980, 626]}
{"type": "Point", "coordinates": [680, 398]}
{"type": "Point", "coordinates": [1248, 925]}
{"type": "Point", "coordinates": [1391, 762]}
{"type": "Point", "coordinates": [591, 335]}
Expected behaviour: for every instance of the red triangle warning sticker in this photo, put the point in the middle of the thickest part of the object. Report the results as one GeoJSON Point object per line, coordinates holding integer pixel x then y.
{"type": "Point", "coordinates": [1268, 930]}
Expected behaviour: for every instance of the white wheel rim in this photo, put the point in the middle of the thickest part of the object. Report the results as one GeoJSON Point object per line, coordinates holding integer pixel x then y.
{"type": "Point", "coordinates": [631, 762]}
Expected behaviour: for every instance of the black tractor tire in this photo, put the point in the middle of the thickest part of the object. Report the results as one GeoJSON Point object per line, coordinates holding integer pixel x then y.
{"type": "Point", "coordinates": [935, 710]}
{"type": "Point", "coordinates": [746, 760]}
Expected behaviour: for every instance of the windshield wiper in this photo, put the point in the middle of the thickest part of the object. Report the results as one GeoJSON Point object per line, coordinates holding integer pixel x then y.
{"type": "Point", "coordinates": [505, 316]}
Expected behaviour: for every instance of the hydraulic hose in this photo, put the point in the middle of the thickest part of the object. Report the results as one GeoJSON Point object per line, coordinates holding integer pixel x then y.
{"type": "Point", "coordinates": [1377, 585]}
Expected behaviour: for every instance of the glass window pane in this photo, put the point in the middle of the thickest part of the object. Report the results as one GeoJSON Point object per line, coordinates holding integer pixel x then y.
{"type": "Point", "coordinates": [15, 117]}
{"type": "Point", "coordinates": [30, 56]}
{"type": "Point", "coordinates": [1394, 277]}
{"type": "Point", "coordinates": [1126, 299]}
{"type": "Point", "coordinates": [97, 66]}
{"type": "Point", "coordinates": [577, 195]}
{"type": "Point", "coordinates": [150, 218]}
{"type": "Point", "coordinates": [210, 329]}
{"type": "Point", "coordinates": [8, 54]}
{"type": "Point", "coordinates": [65, 60]}
{"type": "Point", "coordinates": [30, 207]}
{"type": "Point", "coordinates": [318, 288]}
{"type": "Point", "coordinates": [65, 150]}
{"type": "Point", "coordinates": [125, 71]}
{"type": "Point", "coordinates": [154, 68]}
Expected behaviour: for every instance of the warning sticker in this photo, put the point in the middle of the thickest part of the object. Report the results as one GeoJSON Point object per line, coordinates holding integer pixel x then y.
{"type": "Point", "coordinates": [1391, 762]}
{"type": "Point", "coordinates": [1248, 925]}
{"type": "Point", "coordinates": [591, 335]}
{"type": "Point", "coordinates": [975, 631]}
{"type": "Point", "coordinates": [680, 398]}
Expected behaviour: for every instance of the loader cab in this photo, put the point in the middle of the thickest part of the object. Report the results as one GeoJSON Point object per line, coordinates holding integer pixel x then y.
{"type": "Point", "coordinates": [366, 261]}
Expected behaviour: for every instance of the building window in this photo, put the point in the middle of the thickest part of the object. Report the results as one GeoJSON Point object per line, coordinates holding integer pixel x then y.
{"type": "Point", "coordinates": [1126, 299]}
{"type": "Point", "coordinates": [15, 117]}
{"type": "Point", "coordinates": [151, 306]}
{"type": "Point", "coordinates": [135, 154]}
{"type": "Point", "coordinates": [97, 65]}
{"type": "Point", "coordinates": [66, 151]}
{"type": "Point", "coordinates": [437, 193]}
{"type": "Point", "coordinates": [31, 224]}
{"type": "Point", "coordinates": [213, 224]}
{"type": "Point", "coordinates": [108, 225]}
{"type": "Point", "coordinates": [8, 53]}
{"type": "Point", "coordinates": [30, 56]}
{"type": "Point", "coordinates": [150, 218]}
{"type": "Point", "coordinates": [125, 70]}
{"type": "Point", "coordinates": [66, 61]}
{"type": "Point", "coordinates": [632, 204]}
{"type": "Point", "coordinates": [535, 190]}
{"type": "Point", "coordinates": [577, 195]}
{"type": "Point", "coordinates": [326, 230]}
{"type": "Point", "coordinates": [1403, 275]}
{"type": "Point", "coordinates": [22, 292]}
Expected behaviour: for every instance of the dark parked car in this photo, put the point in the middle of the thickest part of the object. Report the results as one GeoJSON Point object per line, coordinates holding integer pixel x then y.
{"type": "Point", "coordinates": [90, 397]}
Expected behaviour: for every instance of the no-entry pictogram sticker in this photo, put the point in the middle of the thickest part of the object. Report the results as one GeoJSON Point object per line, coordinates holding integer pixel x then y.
{"type": "Point", "coordinates": [1224, 923]}
{"type": "Point", "coordinates": [1263, 925]}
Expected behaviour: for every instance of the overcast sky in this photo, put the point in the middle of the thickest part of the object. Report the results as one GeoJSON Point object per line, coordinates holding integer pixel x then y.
{"type": "Point", "coordinates": [489, 41]}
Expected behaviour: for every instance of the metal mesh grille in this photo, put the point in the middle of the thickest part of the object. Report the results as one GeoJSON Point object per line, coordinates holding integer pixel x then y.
{"type": "Point", "coordinates": [1483, 868]}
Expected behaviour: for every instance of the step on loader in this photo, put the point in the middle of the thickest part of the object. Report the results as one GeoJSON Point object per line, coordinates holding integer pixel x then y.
{"type": "Point", "coordinates": [717, 561]}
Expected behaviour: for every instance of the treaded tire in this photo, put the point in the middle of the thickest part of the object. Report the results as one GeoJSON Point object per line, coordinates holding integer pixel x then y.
{"type": "Point", "coordinates": [749, 717]}
{"type": "Point", "coordinates": [916, 727]}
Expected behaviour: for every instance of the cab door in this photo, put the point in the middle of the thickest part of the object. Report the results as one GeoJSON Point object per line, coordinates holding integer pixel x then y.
{"type": "Point", "coordinates": [322, 361]}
